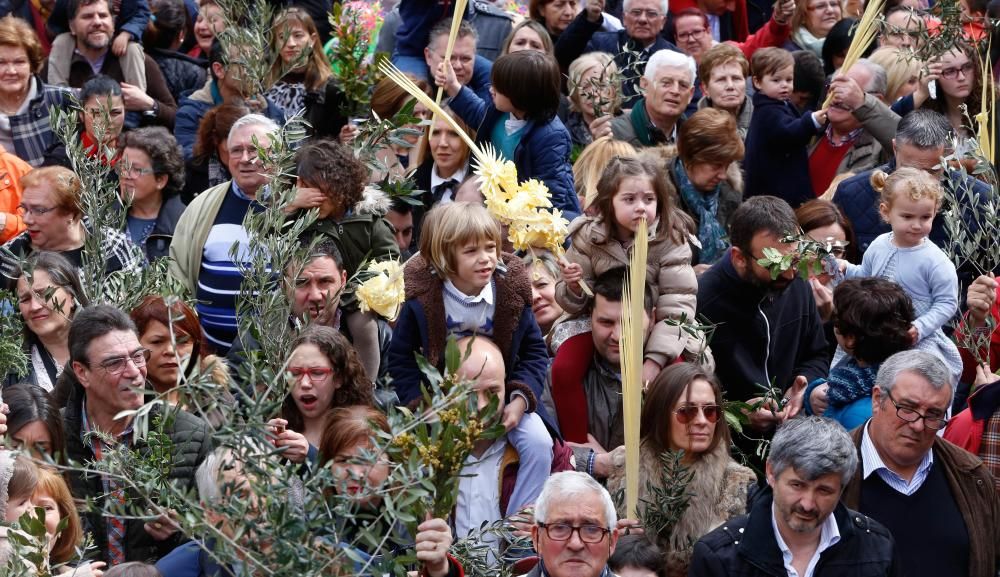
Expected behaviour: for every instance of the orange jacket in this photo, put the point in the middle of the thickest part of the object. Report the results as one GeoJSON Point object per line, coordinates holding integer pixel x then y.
{"type": "Point", "coordinates": [12, 169]}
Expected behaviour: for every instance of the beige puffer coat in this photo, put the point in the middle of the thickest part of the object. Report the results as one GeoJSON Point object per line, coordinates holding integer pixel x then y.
{"type": "Point", "coordinates": [668, 272]}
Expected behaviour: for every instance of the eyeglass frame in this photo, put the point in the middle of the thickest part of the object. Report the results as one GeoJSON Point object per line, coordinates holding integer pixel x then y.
{"type": "Point", "coordinates": [650, 14]}
{"type": "Point", "coordinates": [967, 70]}
{"type": "Point", "coordinates": [578, 529]}
{"type": "Point", "coordinates": [296, 373]}
{"type": "Point", "coordinates": [919, 416]}
{"type": "Point", "coordinates": [35, 210]}
{"type": "Point", "coordinates": [140, 353]}
{"type": "Point", "coordinates": [121, 170]}
{"type": "Point", "coordinates": [693, 34]}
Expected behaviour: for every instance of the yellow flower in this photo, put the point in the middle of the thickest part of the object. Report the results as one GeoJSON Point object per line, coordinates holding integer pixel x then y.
{"type": "Point", "coordinates": [540, 229]}
{"type": "Point", "coordinates": [384, 293]}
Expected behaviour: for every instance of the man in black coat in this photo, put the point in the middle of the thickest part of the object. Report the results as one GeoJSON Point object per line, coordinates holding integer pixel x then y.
{"type": "Point", "coordinates": [799, 526]}
{"type": "Point", "coordinates": [108, 370]}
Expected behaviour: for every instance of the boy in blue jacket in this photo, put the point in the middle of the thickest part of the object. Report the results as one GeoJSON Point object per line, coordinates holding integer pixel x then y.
{"type": "Point", "coordinates": [777, 161]}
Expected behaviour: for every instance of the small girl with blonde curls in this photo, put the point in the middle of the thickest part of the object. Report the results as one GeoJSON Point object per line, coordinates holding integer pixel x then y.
{"type": "Point", "coordinates": [910, 198]}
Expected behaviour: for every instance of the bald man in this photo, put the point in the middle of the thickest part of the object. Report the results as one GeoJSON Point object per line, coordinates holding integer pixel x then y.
{"type": "Point", "coordinates": [526, 453]}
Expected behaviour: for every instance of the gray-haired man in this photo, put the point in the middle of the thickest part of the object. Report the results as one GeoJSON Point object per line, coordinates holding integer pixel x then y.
{"type": "Point", "coordinates": [798, 527]}
{"type": "Point", "coordinates": [937, 499]}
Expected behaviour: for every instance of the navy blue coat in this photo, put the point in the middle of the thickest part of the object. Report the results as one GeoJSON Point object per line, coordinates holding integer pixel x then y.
{"type": "Point", "coordinates": [421, 329]}
{"type": "Point", "coordinates": [777, 162]}
{"type": "Point", "coordinates": [542, 154]}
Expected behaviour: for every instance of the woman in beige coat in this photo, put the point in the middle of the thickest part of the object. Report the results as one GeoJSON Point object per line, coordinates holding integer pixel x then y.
{"type": "Point", "coordinates": [631, 189]}
{"type": "Point", "coordinates": [683, 412]}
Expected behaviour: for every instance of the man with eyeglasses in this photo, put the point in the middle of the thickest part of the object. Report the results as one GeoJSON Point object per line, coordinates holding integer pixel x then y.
{"type": "Point", "coordinates": [631, 47]}
{"type": "Point", "coordinates": [797, 526]}
{"type": "Point", "coordinates": [107, 372]}
{"type": "Point", "coordinates": [938, 500]}
{"type": "Point", "coordinates": [575, 528]}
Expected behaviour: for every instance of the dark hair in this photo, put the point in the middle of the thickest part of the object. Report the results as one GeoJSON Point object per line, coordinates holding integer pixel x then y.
{"type": "Point", "coordinates": [73, 7]}
{"type": "Point", "coordinates": [639, 552]}
{"type": "Point", "coordinates": [153, 308]}
{"type": "Point", "coordinates": [819, 213]}
{"type": "Point", "coordinates": [531, 80]}
{"type": "Point", "coordinates": [214, 128]}
{"type": "Point", "coordinates": [216, 54]}
{"type": "Point", "coordinates": [355, 387]}
{"type": "Point", "coordinates": [92, 323]}
{"type": "Point", "coordinates": [401, 206]}
{"type": "Point", "coordinates": [443, 28]}
{"type": "Point", "coordinates": [169, 18]}
{"type": "Point", "coordinates": [610, 286]}
{"type": "Point", "coordinates": [973, 101]}
{"type": "Point", "coordinates": [877, 313]}
{"type": "Point", "coordinates": [760, 214]}
{"type": "Point", "coordinates": [99, 85]}
{"type": "Point", "coordinates": [133, 569]}
{"type": "Point", "coordinates": [164, 154]}
{"type": "Point", "coordinates": [388, 98]}
{"type": "Point", "coordinates": [30, 403]}
{"type": "Point", "coordinates": [809, 76]}
{"type": "Point", "coordinates": [770, 61]}
{"type": "Point", "coordinates": [62, 272]}
{"type": "Point", "coordinates": [325, 248]}
{"type": "Point", "coordinates": [664, 393]}
{"type": "Point", "coordinates": [837, 42]}
{"type": "Point", "coordinates": [332, 167]}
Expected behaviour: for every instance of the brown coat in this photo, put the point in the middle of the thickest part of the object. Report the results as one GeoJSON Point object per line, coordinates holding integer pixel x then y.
{"type": "Point", "coordinates": [719, 492]}
{"type": "Point", "coordinates": [972, 486]}
{"type": "Point", "coordinates": [668, 272]}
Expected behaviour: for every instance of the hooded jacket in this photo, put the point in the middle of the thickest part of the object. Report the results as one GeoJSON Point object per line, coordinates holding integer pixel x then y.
{"type": "Point", "coordinates": [421, 329]}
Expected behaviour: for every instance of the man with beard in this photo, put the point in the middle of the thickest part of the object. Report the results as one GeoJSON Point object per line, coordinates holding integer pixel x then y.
{"type": "Point", "coordinates": [797, 526]}
{"type": "Point", "coordinates": [93, 26]}
{"type": "Point", "coordinates": [768, 329]}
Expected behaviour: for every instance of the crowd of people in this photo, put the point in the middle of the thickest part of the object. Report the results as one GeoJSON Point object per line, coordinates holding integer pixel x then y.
{"type": "Point", "coordinates": [867, 437]}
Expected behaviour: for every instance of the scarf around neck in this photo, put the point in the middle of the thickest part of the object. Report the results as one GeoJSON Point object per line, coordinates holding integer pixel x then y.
{"type": "Point", "coordinates": [807, 41]}
{"type": "Point", "coordinates": [706, 207]}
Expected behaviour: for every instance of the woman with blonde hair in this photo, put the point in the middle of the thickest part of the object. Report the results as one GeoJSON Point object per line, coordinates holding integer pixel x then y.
{"type": "Point", "coordinates": [54, 497]}
{"type": "Point", "coordinates": [591, 163]}
{"type": "Point", "coordinates": [528, 34]}
{"type": "Point", "coordinates": [594, 95]}
{"type": "Point", "coordinates": [902, 70]}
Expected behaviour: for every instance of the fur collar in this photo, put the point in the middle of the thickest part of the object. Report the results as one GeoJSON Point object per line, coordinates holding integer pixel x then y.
{"type": "Point", "coordinates": [513, 294]}
{"type": "Point", "coordinates": [373, 201]}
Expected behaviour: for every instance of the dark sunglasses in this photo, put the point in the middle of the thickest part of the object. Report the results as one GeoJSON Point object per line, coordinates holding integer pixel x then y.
{"type": "Point", "coordinates": [687, 413]}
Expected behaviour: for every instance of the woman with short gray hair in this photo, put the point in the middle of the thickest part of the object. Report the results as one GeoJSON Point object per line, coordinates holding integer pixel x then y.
{"type": "Point", "coordinates": [151, 177]}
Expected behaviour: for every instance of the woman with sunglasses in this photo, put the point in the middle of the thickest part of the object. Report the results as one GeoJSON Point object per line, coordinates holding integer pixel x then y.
{"type": "Point", "coordinates": [683, 412]}
{"type": "Point", "coordinates": [323, 372]}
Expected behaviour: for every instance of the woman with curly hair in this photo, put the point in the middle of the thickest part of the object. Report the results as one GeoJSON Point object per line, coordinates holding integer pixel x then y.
{"type": "Point", "coordinates": [333, 181]}
{"type": "Point", "coordinates": [872, 318]}
{"type": "Point", "coordinates": [150, 179]}
{"type": "Point", "coordinates": [323, 372]}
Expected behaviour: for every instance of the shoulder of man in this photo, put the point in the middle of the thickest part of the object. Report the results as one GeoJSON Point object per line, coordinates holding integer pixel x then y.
{"type": "Point", "coordinates": [728, 535]}
{"type": "Point", "coordinates": [489, 10]}
{"type": "Point", "coordinates": [868, 528]}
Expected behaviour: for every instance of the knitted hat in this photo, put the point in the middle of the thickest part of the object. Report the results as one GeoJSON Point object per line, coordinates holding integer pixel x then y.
{"type": "Point", "coordinates": [6, 472]}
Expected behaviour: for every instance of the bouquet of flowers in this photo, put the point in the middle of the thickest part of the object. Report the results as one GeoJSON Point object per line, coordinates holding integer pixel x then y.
{"type": "Point", "coordinates": [351, 49]}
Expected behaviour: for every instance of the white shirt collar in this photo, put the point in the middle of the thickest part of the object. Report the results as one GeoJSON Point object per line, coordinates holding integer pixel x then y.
{"type": "Point", "coordinates": [828, 537]}
{"type": "Point", "coordinates": [458, 177]}
{"type": "Point", "coordinates": [486, 294]}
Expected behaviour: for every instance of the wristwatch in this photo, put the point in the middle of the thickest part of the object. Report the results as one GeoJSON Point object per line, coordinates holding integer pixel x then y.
{"type": "Point", "coordinates": [152, 112]}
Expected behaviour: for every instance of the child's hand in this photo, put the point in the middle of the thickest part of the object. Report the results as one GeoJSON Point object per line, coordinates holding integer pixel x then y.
{"type": "Point", "coordinates": [120, 44]}
{"type": "Point", "coordinates": [513, 412]}
{"type": "Point", "coordinates": [842, 265]}
{"type": "Point", "coordinates": [649, 372]}
{"type": "Point", "coordinates": [820, 117]}
{"type": "Point", "coordinates": [818, 399]}
{"type": "Point", "coordinates": [572, 274]}
{"type": "Point", "coordinates": [306, 198]}
{"type": "Point", "coordinates": [984, 376]}
{"type": "Point", "coordinates": [914, 334]}
{"type": "Point", "coordinates": [444, 76]}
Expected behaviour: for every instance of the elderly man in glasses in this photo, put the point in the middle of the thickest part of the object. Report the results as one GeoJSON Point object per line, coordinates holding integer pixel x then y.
{"type": "Point", "coordinates": [938, 500]}
{"type": "Point", "coordinates": [575, 527]}
{"type": "Point", "coordinates": [107, 371]}
{"type": "Point", "coordinates": [797, 526]}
